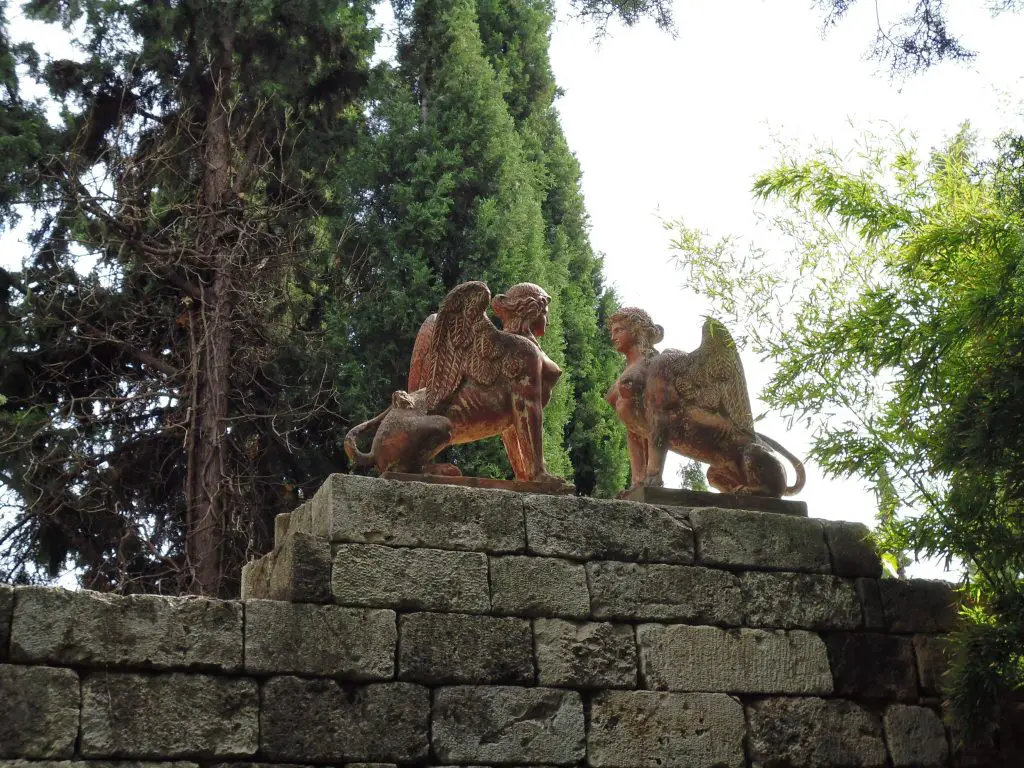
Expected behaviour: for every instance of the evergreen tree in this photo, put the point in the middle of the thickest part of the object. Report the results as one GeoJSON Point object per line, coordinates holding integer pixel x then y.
{"type": "Point", "coordinates": [146, 430]}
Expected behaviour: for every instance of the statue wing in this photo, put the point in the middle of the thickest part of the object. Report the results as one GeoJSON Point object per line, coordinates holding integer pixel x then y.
{"type": "Point", "coordinates": [713, 376]}
{"type": "Point", "coordinates": [460, 320]}
{"type": "Point", "coordinates": [419, 365]}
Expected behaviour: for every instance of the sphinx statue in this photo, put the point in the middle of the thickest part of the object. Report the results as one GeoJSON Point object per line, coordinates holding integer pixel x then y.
{"type": "Point", "coordinates": [469, 381]}
{"type": "Point", "coordinates": [695, 404]}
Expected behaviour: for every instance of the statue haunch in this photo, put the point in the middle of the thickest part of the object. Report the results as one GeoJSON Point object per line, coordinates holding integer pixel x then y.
{"type": "Point", "coordinates": [469, 381]}
{"type": "Point", "coordinates": [695, 404]}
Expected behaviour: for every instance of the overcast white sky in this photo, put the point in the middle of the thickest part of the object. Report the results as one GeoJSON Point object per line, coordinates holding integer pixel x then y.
{"type": "Point", "coordinates": [679, 127]}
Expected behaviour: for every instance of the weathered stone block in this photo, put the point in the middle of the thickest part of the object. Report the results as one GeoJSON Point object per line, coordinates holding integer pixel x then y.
{"type": "Point", "coordinates": [57, 626]}
{"type": "Point", "coordinates": [499, 724]}
{"type": "Point", "coordinates": [644, 729]}
{"type": "Point", "coordinates": [325, 640]}
{"type": "Point", "coordinates": [679, 593]}
{"type": "Point", "coordinates": [301, 571]}
{"type": "Point", "coordinates": [6, 609]}
{"type": "Point", "coordinates": [309, 519]}
{"type": "Point", "coordinates": [168, 716]}
{"type": "Point", "coordinates": [853, 553]}
{"type": "Point", "coordinates": [918, 605]}
{"type": "Point", "coordinates": [870, 603]}
{"type": "Point", "coordinates": [256, 577]}
{"type": "Point", "coordinates": [931, 653]}
{"type": "Point", "coordinates": [799, 600]}
{"type": "Point", "coordinates": [114, 764]}
{"type": "Point", "coordinates": [585, 529]}
{"type": "Point", "coordinates": [282, 523]}
{"type": "Point", "coordinates": [759, 541]}
{"type": "Point", "coordinates": [915, 736]}
{"type": "Point", "coordinates": [38, 712]}
{"type": "Point", "coordinates": [410, 579]}
{"type": "Point", "coordinates": [872, 666]}
{"type": "Point", "coordinates": [813, 733]}
{"type": "Point", "coordinates": [684, 658]}
{"type": "Point", "coordinates": [367, 510]}
{"type": "Point", "coordinates": [456, 648]}
{"type": "Point", "coordinates": [321, 721]}
{"type": "Point", "coordinates": [575, 654]}
{"type": "Point", "coordinates": [538, 586]}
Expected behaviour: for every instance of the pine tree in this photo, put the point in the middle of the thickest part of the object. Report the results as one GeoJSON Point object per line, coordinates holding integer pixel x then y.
{"type": "Point", "coordinates": [146, 427]}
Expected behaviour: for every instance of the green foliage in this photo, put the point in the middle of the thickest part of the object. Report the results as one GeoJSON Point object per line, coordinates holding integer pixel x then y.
{"type": "Point", "coordinates": [896, 323]}
{"type": "Point", "coordinates": [692, 475]}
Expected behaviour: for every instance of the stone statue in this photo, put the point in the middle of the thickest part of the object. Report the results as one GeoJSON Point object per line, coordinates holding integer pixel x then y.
{"type": "Point", "coordinates": [469, 381]}
{"type": "Point", "coordinates": [693, 403]}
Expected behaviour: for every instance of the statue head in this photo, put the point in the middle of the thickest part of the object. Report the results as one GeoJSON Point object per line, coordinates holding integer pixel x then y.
{"type": "Point", "coordinates": [632, 327]}
{"type": "Point", "coordinates": [523, 309]}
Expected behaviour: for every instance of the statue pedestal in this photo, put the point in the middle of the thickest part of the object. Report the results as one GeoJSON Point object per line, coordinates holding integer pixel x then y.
{"type": "Point", "coordinates": [521, 486]}
{"type": "Point", "coordinates": [678, 497]}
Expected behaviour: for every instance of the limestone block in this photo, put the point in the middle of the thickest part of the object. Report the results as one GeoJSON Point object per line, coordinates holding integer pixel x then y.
{"type": "Point", "coordinates": [6, 609]}
{"type": "Point", "coordinates": [168, 716]}
{"type": "Point", "coordinates": [585, 654]}
{"type": "Point", "coordinates": [685, 658]}
{"type": "Point", "coordinates": [310, 519]}
{"type": "Point", "coordinates": [918, 605]}
{"type": "Point", "coordinates": [256, 577]}
{"type": "Point", "coordinates": [112, 764]}
{"type": "Point", "coordinates": [301, 570]}
{"type": "Point", "coordinates": [799, 600]}
{"type": "Point", "coordinates": [867, 665]}
{"type": "Point", "coordinates": [915, 736]}
{"type": "Point", "coordinates": [368, 510]}
{"type": "Point", "coordinates": [501, 724]}
{"type": "Point", "coordinates": [93, 629]}
{"type": "Point", "coordinates": [538, 586]}
{"type": "Point", "coordinates": [645, 729]}
{"type": "Point", "coordinates": [870, 603]}
{"type": "Point", "coordinates": [319, 720]}
{"type": "Point", "coordinates": [759, 541]}
{"type": "Point", "coordinates": [282, 523]}
{"type": "Point", "coordinates": [325, 640]}
{"type": "Point", "coordinates": [853, 552]}
{"type": "Point", "coordinates": [585, 529]}
{"type": "Point", "coordinates": [457, 648]}
{"type": "Point", "coordinates": [813, 733]}
{"type": "Point", "coordinates": [410, 579]}
{"type": "Point", "coordinates": [932, 655]}
{"type": "Point", "coordinates": [38, 712]}
{"type": "Point", "coordinates": [679, 593]}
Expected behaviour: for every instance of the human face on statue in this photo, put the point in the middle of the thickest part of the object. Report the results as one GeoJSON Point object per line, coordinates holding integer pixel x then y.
{"type": "Point", "coordinates": [622, 337]}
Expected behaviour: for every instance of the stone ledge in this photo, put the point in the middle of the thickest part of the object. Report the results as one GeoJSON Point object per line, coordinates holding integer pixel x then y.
{"type": "Point", "coordinates": [645, 729]}
{"type": "Point", "coordinates": [743, 661]}
{"type": "Point", "coordinates": [366, 510]}
{"type": "Point", "coordinates": [92, 629]}
{"type": "Point", "coordinates": [582, 528]}
{"type": "Point", "coordinates": [372, 576]}
{"type": "Point", "coordinates": [324, 640]}
{"type": "Point", "coordinates": [853, 553]}
{"type": "Point", "coordinates": [736, 539]}
{"type": "Point", "coordinates": [663, 592]}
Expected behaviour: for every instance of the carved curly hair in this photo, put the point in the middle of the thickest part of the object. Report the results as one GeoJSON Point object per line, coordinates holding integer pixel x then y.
{"type": "Point", "coordinates": [646, 333]}
{"type": "Point", "coordinates": [520, 307]}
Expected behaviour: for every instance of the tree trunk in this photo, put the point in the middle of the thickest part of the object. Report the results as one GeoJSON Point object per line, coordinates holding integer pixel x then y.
{"type": "Point", "coordinates": [208, 487]}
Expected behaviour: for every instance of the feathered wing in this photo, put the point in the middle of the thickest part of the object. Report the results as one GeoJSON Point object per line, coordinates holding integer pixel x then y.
{"type": "Point", "coordinates": [459, 320]}
{"type": "Point", "coordinates": [713, 376]}
{"type": "Point", "coordinates": [419, 365]}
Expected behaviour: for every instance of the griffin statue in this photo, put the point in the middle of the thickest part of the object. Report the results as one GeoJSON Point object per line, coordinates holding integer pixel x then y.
{"type": "Point", "coordinates": [693, 403]}
{"type": "Point", "coordinates": [468, 381]}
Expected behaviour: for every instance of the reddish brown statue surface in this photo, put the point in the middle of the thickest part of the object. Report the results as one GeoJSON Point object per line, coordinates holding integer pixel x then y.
{"type": "Point", "coordinates": [468, 381]}
{"type": "Point", "coordinates": [693, 403]}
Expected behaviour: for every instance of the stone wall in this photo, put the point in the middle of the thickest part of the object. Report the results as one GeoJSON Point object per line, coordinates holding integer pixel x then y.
{"type": "Point", "coordinates": [404, 623]}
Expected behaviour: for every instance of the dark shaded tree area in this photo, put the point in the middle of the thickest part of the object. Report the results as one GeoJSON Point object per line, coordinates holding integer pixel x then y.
{"type": "Point", "coordinates": [238, 227]}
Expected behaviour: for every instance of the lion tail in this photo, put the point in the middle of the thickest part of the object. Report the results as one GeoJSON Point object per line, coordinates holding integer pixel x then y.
{"type": "Point", "coordinates": [801, 474]}
{"type": "Point", "coordinates": [357, 457]}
